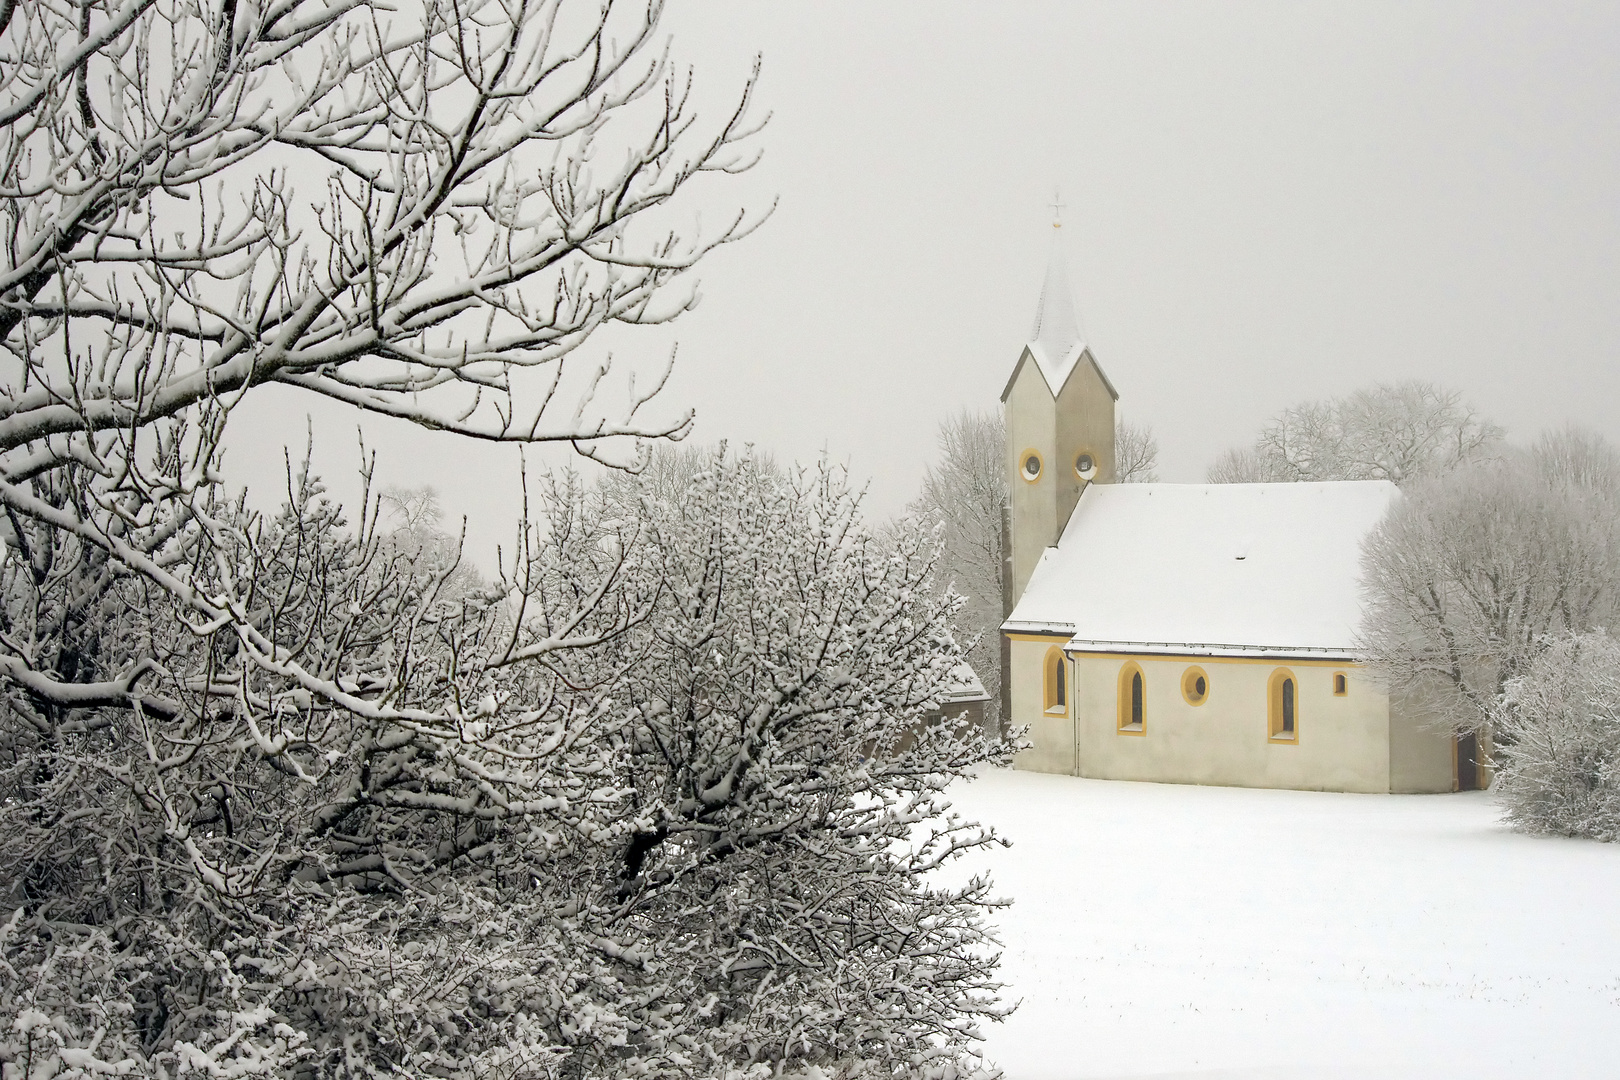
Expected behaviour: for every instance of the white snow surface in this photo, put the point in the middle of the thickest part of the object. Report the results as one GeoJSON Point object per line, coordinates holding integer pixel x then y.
{"type": "Point", "coordinates": [1233, 934]}
{"type": "Point", "coordinates": [1056, 367]}
{"type": "Point", "coordinates": [1216, 568]}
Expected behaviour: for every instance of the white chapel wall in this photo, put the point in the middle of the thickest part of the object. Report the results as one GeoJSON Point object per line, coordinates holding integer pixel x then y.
{"type": "Point", "coordinates": [1344, 743]}
{"type": "Point", "coordinates": [1051, 734]}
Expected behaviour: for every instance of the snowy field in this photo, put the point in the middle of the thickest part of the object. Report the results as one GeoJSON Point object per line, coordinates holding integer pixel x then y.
{"type": "Point", "coordinates": [1166, 931]}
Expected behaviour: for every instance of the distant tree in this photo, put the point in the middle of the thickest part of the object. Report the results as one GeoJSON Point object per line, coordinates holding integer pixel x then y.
{"type": "Point", "coordinates": [412, 509]}
{"type": "Point", "coordinates": [413, 525]}
{"type": "Point", "coordinates": [965, 490]}
{"type": "Point", "coordinates": [1474, 572]}
{"type": "Point", "coordinates": [1136, 454]}
{"type": "Point", "coordinates": [1559, 748]}
{"type": "Point", "coordinates": [1247, 466]}
{"type": "Point", "coordinates": [1395, 432]}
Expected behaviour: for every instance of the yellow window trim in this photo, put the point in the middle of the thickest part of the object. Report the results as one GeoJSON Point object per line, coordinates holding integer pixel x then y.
{"type": "Point", "coordinates": [1189, 686]}
{"type": "Point", "coordinates": [1274, 708]}
{"type": "Point", "coordinates": [1125, 725]}
{"type": "Point", "coordinates": [1055, 688]}
{"type": "Point", "coordinates": [1025, 456]}
{"type": "Point", "coordinates": [1341, 679]}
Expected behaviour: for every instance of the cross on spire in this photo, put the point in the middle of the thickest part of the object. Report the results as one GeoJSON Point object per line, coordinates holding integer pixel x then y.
{"type": "Point", "coordinates": [1057, 204]}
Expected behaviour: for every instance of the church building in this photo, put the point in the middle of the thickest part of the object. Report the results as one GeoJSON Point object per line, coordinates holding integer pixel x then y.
{"type": "Point", "coordinates": [1186, 633]}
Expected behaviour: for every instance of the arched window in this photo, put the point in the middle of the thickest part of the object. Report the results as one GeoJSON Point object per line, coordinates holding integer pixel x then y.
{"type": "Point", "coordinates": [1132, 700]}
{"type": "Point", "coordinates": [1056, 682]}
{"type": "Point", "coordinates": [1282, 707]}
{"type": "Point", "coordinates": [1341, 684]}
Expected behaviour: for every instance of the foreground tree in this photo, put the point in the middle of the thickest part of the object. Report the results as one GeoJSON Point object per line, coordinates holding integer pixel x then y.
{"type": "Point", "coordinates": [1474, 573]}
{"type": "Point", "coordinates": [1396, 432]}
{"type": "Point", "coordinates": [667, 803]}
{"type": "Point", "coordinates": [1559, 726]}
{"type": "Point", "coordinates": [273, 794]}
{"type": "Point", "coordinates": [418, 217]}
{"type": "Point", "coordinates": [786, 778]}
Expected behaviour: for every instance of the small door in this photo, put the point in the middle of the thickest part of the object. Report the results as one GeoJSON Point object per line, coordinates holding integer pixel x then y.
{"type": "Point", "coordinates": [1468, 762]}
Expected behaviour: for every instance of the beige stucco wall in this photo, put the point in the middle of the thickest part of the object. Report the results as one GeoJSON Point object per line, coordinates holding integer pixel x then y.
{"type": "Point", "coordinates": [1081, 418]}
{"type": "Point", "coordinates": [1052, 736]}
{"type": "Point", "coordinates": [1421, 760]}
{"type": "Point", "coordinates": [1031, 425]}
{"type": "Point", "coordinates": [1344, 743]}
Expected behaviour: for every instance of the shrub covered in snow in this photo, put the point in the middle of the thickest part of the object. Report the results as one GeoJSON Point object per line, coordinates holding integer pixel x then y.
{"type": "Point", "coordinates": [663, 804]}
{"type": "Point", "coordinates": [1558, 748]}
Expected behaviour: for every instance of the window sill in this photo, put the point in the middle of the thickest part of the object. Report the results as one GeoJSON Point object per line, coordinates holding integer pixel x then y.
{"type": "Point", "coordinates": [1132, 729]}
{"type": "Point", "coordinates": [1286, 740]}
{"type": "Point", "coordinates": [1060, 711]}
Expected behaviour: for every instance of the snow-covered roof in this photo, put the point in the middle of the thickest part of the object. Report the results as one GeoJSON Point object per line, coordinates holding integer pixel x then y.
{"type": "Point", "coordinates": [1055, 340]}
{"type": "Point", "coordinates": [1219, 569]}
{"type": "Point", "coordinates": [963, 685]}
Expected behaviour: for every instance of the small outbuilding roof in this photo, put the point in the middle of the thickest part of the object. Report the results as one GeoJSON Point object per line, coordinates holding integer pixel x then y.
{"type": "Point", "coordinates": [1212, 569]}
{"type": "Point", "coordinates": [963, 685]}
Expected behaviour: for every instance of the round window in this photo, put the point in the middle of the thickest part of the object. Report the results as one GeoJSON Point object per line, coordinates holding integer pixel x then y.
{"type": "Point", "coordinates": [1195, 686]}
{"type": "Point", "coordinates": [1085, 466]}
{"type": "Point", "coordinates": [1030, 466]}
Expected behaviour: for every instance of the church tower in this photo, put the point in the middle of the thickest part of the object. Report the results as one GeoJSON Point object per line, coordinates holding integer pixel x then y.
{"type": "Point", "coordinates": [1059, 413]}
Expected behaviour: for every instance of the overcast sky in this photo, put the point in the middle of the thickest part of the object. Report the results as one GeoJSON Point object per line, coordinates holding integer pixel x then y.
{"type": "Point", "coordinates": [1266, 203]}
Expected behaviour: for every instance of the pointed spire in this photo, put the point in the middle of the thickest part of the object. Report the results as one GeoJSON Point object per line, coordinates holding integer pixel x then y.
{"type": "Point", "coordinates": [1057, 325]}
{"type": "Point", "coordinates": [1056, 339]}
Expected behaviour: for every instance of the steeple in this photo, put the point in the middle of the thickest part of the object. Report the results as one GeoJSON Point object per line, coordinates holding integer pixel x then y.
{"type": "Point", "coordinates": [1056, 341]}
{"type": "Point", "coordinates": [1059, 412]}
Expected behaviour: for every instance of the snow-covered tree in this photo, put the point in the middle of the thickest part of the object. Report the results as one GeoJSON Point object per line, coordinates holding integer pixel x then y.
{"type": "Point", "coordinates": [1559, 753]}
{"type": "Point", "coordinates": [413, 523]}
{"type": "Point", "coordinates": [1395, 432]}
{"type": "Point", "coordinates": [233, 793]}
{"type": "Point", "coordinates": [223, 733]}
{"type": "Point", "coordinates": [786, 780]}
{"type": "Point", "coordinates": [665, 803]}
{"type": "Point", "coordinates": [1473, 573]}
{"type": "Point", "coordinates": [417, 215]}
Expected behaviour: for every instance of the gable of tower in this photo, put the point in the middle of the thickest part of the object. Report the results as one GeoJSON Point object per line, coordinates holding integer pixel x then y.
{"type": "Point", "coordinates": [1084, 429]}
{"type": "Point", "coordinates": [1058, 376]}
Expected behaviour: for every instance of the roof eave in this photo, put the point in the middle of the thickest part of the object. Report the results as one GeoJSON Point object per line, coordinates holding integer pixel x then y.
{"type": "Point", "coordinates": [1023, 356]}
{"type": "Point", "coordinates": [1341, 653]}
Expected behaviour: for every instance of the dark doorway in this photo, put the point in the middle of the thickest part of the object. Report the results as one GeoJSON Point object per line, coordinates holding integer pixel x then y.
{"type": "Point", "coordinates": [1468, 762]}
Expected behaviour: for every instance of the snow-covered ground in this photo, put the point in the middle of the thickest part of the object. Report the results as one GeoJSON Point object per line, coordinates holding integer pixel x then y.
{"type": "Point", "coordinates": [1166, 931]}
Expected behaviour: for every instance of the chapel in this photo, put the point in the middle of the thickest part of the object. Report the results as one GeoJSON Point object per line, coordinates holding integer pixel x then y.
{"type": "Point", "coordinates": [1186, 633]}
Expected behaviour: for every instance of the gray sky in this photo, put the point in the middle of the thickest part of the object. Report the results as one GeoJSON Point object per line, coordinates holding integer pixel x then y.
{"type": "Point", "coordinates": [1266, 202]}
